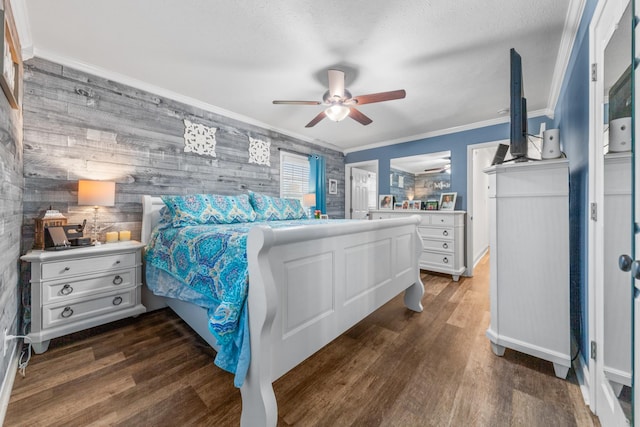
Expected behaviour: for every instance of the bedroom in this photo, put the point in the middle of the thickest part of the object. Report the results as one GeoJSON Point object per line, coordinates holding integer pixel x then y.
{"type": "Point", "coordinates": [69, 112]}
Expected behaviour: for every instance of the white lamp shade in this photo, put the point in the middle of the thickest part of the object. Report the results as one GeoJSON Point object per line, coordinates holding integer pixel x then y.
{"type": "Point", "coordinates": [337, 112]}
{"type": "Point", "coordinates": [96, 193]}
{"type": "Point", "coordinates": [309, 199]}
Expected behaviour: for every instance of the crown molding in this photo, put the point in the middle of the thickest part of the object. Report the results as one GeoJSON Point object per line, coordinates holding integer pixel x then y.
{"type": "Point", "coordinates": [157, 90]}
{"type": "Point", "coordinates": [571, 26]}
{"type": "Point", "coordinates": [447, 131]}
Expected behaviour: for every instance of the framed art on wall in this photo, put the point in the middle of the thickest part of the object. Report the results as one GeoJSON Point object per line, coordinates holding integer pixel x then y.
{"type": "Point", "coordinates": [333, 186]}
{"type": "Point", "coordinates": [10, 60]}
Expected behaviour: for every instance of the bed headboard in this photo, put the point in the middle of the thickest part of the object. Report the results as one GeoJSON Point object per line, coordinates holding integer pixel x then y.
{"type": "Point", "coordinates": [150, 215]}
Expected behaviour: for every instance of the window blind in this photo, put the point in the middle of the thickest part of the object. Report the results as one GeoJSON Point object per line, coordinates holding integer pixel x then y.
{"type": "Point", "coordinates": [294, 176]}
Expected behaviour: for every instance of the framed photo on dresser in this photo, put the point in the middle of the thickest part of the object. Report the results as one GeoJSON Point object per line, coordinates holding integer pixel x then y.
{"type": "Point", "coordinates": [385, 202]}
{"type": "Point", "coordinates": [448, 201]}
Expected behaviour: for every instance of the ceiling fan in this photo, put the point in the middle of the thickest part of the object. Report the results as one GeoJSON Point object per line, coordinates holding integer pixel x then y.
{"type": "Point", "coordinates": [341, 104]}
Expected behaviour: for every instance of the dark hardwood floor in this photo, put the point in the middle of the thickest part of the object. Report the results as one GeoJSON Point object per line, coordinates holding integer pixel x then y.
{"type": "Point", "coordinates": [395, 368]}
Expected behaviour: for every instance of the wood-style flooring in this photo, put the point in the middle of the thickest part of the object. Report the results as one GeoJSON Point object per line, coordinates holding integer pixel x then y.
{"type": "Point", "coordinates": [395, 368]}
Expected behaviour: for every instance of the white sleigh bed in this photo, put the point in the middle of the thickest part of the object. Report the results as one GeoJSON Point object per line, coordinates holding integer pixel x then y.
{"type": "Point", "coordinates": [307, 285]}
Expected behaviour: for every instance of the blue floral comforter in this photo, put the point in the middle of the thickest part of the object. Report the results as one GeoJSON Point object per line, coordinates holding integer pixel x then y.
{"type": "Point", "coordinates": [210, 261]}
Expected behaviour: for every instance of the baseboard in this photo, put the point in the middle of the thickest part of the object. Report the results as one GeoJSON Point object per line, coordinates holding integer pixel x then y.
{"type": "Point", "coordinates": [581, 368]}
{"type": "Point", "coordinates": [7, 382]}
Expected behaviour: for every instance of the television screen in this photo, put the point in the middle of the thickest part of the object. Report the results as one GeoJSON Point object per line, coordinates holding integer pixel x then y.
{"type": "Point", "coordinates": [518, 109]}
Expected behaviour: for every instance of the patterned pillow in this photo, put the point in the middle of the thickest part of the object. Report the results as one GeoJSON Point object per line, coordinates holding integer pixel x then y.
{"type": "Point", "coordinates": [197, 209]}
{"type": "Point", "coordinates": [269, 208]}
{"type": "Point", "coordinates": [231, 209]}
{"type": "Point", "coordinates": [188, 210]}
{"type": "Point", "coordinates": [297, 211]}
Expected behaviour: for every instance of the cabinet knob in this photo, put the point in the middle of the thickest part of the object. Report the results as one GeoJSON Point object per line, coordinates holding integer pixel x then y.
{"type": "Point", "coordinates": [117, 301]}
{"type": "Point", "coordinates": [66, 289]}
{"type": "Point", "coordinates": [67, 268]}
{"type": "Point", "coordinates": [118, 262]}
{"type": "Point", "coordinates": [445, 233]}
{"type": "Point", "coordinates": [445, 245]}
{"type": "Point", "coordinates": [445, 260]}
{"type": "Point", "coordinates": [624, 262]}
{"type": "Point", "coordinates": [67, 312]}
{"type": "Point", "coordinates": [117, 280]}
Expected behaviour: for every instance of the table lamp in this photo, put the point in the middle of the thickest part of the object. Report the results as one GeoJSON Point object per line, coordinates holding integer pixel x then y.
{"type": "Point", "coordinates": [96, 194]}
{"type": "Point", "coordinates": [309, 200]}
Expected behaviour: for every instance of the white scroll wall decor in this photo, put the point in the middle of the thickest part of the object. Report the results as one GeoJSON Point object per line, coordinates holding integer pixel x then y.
{"type": "Point", "coordinates": [199, 139]}
{"type": "Point", "coordinates": [259, 152]}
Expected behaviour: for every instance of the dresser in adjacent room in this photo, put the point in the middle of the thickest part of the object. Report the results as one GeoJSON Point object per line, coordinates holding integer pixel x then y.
{"type": "Point", "coordinates": [80, 288]}
{"type": "Point", "coordinates": [442, 235]}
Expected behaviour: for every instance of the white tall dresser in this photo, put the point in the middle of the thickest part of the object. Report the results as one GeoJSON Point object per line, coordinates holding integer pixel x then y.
{"type": "Point", "coordinates": [529, 243]}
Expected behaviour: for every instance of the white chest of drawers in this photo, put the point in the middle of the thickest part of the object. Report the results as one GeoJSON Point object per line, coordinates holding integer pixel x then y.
{"type": "Point", "coordinates": [442, 235]}
{"type": "Point", "coordinates": [80, 288]}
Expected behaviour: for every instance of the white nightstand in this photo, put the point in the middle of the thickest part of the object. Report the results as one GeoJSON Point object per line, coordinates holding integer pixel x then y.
{"type": "Point", "coordinates": [80, 288]}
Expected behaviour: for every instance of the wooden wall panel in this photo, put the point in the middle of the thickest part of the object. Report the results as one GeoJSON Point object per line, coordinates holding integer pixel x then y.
{"type": "Point", "coordinates": [79, 126]}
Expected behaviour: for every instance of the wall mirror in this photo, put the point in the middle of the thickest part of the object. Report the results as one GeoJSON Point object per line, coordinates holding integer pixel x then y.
{"type": "Point", "coordinates": [422, 177]}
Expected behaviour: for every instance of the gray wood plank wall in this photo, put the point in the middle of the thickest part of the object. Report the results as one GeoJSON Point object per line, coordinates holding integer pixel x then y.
{"type": "Point", "coordinates": [11, 194]}
{"type": "Point", "coordinates": [80, 126]}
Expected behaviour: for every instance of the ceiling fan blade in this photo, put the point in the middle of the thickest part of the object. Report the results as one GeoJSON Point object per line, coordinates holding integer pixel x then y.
{"type": "Point", "coordinates": [379, 97]}
{"type": "Point", "coordinates": [298, 102]}
{"type": "Point", "coordinates": [316, 119]}
{"type": "Point", "coordinates": [336, 83]}
{"type": "Point", "coordinates": [358, 116]}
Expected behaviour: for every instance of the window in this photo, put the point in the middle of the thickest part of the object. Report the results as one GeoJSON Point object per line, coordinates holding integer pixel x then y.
{"type": "Point", "coordinates": [294, 175]}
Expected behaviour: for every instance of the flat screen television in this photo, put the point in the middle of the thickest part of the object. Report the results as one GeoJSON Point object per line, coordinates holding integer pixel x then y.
{"type": "Point", "coordinates": [519, 138]}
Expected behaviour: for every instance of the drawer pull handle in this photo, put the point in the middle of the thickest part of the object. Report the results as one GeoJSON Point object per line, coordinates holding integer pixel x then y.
{"type": "Point", "coordinates": [66, 289]}
{"type": "Point", "coordinates": [445, 245]}
{"type": "Point", "coordinates": [118, 280]}
{"type": "Point", "coordinates": [67, 312]}
{"type": "Point", "coordinates": [445, 260]}
{"type": "Point", "coordinates": [67, 268]}
{"type": "Point", "coordinates": [117, 301]}
{"type": "Point", "coordinates": [118, 262]}
{"type": "Point", "coordinates": [445, 233]}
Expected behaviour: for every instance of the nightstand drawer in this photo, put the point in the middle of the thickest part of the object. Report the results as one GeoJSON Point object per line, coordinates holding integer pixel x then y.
{"type": "Point", "coordinates": [73, 267]}
{"type": "Point", "coordinates": [89, 308]}
{"type": "Point", "coordinates": [438, 245]}
{"type": "Point", "coordinates": [440, 259]}
{"type": "Point", "coordinates": [438, 233]}
{"type": "Point", "coordinates": [442, 219]}
{"type": "Point", "coordinates": [70, 289]}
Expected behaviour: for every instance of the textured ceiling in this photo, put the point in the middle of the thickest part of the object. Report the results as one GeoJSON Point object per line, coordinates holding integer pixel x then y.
{"type": "Point", "coordinates": [452, 57]}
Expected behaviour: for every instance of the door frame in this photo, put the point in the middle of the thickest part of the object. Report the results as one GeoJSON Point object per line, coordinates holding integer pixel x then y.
{"type": "Point", "coordinates": [347, 182]}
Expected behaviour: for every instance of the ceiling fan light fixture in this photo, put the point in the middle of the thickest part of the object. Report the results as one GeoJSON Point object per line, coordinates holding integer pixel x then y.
{"type": "Point", "coordinates": [337, 112]}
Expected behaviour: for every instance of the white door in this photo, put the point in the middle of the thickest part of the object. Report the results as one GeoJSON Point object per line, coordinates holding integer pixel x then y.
{"type": "Point", "coordinates": [360, 180]}
{"type": "Point", "coordinates": [610, 334]}
{"type": "Point", "coordinates": [635, 128]}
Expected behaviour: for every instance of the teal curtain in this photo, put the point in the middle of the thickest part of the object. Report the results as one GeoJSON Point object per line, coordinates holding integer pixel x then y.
{"type": "Point", "coordinates": [318, 181]}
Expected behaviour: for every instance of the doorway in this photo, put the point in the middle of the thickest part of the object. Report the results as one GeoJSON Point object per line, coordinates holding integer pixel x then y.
{"type": "Point", "coordinates": [361, 189]}
{"type": "Point", "coordinates": [479, 157]}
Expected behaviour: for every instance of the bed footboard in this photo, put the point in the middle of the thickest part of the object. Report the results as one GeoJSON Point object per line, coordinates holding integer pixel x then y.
{"type": "Point", "coordinates": [310, 284]}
